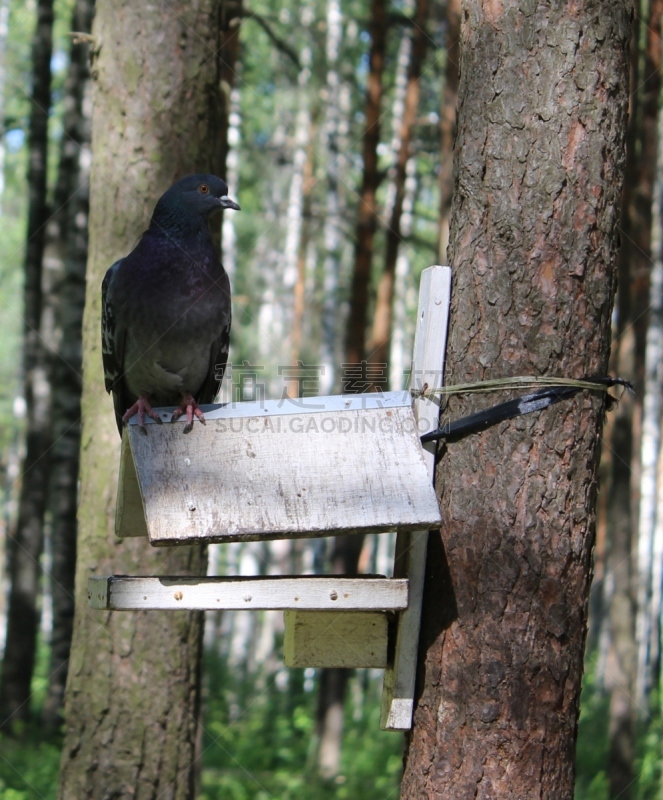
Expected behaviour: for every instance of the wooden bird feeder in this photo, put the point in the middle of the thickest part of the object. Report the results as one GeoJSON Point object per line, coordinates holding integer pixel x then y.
{"type": "Point", "coordinates": [322, 466]}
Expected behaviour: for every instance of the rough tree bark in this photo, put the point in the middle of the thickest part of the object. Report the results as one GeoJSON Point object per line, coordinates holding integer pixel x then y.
{"type": "Point", "coordinates": [355, 346]}
{"type": "Point", "coordinates": [26, 544]}
{"type": "Point", "coordinates": [538, 176]}
{"type": "Point", "coordinates": [381, 334]}
{"type": "Point", "coordinates": [69, 235]}
{"type": "Point", "coordinates": [133, 688]}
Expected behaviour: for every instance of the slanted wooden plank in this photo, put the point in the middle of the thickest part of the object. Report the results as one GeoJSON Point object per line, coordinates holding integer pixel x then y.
{"type": "Point", "coordinates": [315, 467]}
{"type": "Point", "coordinates": [255, 593]}
{"type": "Point", "coordinates": [129, 513]}
{"type": "Point", "coordinates": [410, 558]}
{"type": "Point", "coordinates": [335, 639]}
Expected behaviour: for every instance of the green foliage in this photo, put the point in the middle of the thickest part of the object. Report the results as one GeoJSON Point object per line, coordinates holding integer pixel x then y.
{"type": "Point", "coordinates": [29, 768]}
{"type": "Point", "coordinates": [592, 749]}
{"type": "Point", "coordinates": [29, 763]}
{"type": "Point", "coordinates": [259, 742]}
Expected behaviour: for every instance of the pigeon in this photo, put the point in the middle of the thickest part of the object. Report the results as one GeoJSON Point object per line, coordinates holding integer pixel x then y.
{"type": "Point", "coordinates": [165, 310]}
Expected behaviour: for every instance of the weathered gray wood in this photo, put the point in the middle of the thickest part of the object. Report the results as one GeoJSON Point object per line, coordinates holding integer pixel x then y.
{"type": "Point", "coordinates": [281, 469]}
{"type": "Point", "coordinates": [255, 593]}
{"type": "Point", "coordinates": [410, 558]}
{"type": "Point", "coordinates": [335, 639]}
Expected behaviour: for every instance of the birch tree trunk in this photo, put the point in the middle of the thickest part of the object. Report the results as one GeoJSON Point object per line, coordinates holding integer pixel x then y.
{"type": "Point", "coordinates": [230, 17]}
{"type": "Point", "coordinates": [27, 542]}
{"type": "Point", "coordinates": [539, 169]}
{"type": "Point", "coordinates": [133, 688]}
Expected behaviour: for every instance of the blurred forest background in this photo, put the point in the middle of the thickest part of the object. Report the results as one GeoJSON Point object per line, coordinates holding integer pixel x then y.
{"type": "Point", "coordinates": [332, 102]}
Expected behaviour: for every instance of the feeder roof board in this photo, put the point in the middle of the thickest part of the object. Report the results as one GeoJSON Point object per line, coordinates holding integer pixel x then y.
{"type": "Point", "coordinates": [280, 469]}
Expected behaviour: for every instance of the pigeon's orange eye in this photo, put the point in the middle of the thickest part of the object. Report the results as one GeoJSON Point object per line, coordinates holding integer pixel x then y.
{"type": "Point", "coordinates": [203, 188]}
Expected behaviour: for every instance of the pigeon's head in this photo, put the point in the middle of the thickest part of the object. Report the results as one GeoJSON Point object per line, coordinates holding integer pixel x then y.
{"type": "Point", "coordinates": [196, 196]}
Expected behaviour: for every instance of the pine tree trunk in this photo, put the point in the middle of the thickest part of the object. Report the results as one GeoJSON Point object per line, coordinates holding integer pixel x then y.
{"type": "Point", "coordinates": [381, 336]}
{"type": "Point", "coordinates": [448, 124]}
{"type": "Point", "coordinates": [26, 544]}
{"type": "Point", "coordinates": [133, 687]}
{"type": "Point", "coordinates": [70, 243]}
{"type": "Point", "coordinates": [539, 170]}
{"type": "Point", "coordinates": [355, 347]}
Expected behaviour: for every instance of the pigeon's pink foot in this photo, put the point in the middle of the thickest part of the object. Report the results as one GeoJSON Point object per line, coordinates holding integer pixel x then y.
{"type": "Point", "coordinates": [141, 407]}
{"type": "Point", "coordinates": [189, 407]}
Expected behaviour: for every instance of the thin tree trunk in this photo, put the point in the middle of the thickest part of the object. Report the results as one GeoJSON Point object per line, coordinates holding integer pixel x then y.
{"type": "Point", "coordinates": [229, 26]}
{"type": "Point", "coordinates": [355, 346]}
{"type": "Point", "coordinates": [533, 246]}
{"type": "Point", "coordinates": [448, 123]}
{"type": "Point", "coordinates": [637, 249]}
{"type": "Point", "coordinates": [622, 655]}
{"type": "Point", "coordinates": [299, 300]}
{"type": "Point", "coordinates": [296, 196]}
{"type": "Point", "coordinates": [132, 694]}
{"type": "Point", "coordinates": [26, 545]}
{"type": "Point", "coordinates": [623, 503]}
{"type": "Point", "coordinates": [70, 239]}
{"type": "Point", "coordinates": [333, 682]}
{"type": "Point", "coordinates": [381, 336]}
{"type": "Point", "coordinates": [231, 175]}
{"type": "Point", "coordinates": [332, 234]}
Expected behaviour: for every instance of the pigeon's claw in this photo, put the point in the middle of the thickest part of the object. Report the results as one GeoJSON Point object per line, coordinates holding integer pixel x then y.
{"type": "Point", "coordinates": [191, 408]}
{"type": "Point", "coordinates": [141, 407]}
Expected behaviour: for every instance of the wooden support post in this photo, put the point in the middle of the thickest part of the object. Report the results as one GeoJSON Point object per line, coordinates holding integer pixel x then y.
{"type": "Point", "coordinates": [410, 558]}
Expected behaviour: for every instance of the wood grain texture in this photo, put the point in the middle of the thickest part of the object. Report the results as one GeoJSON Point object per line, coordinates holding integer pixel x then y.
{"type": "Point", "coordinates": [333, 639]}
{"type": "Point", "coordinates": [410, 556]}
{"type": "Point", "coordinates": [280, 475]}
{"type": "Point", "coordinates": [123, 593]}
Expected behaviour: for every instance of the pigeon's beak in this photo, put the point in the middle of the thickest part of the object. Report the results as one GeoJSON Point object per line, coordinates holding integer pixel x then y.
{"type": "Point", "coordinates": [226, 202]}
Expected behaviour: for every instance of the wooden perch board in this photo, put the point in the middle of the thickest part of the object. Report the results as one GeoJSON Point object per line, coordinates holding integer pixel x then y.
{"type": "Point", "coordinates": [278, 469]}
{"type": "Point", "coordinates": [312, 593]}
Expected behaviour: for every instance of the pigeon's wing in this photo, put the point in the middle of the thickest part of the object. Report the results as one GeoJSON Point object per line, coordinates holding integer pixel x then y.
{"type": "Point", "coordinates": [218, 357]}
{"type": "Point", "coordinates": [217, 366]}
{"type": "Point", "coordinates": [113, 337]}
